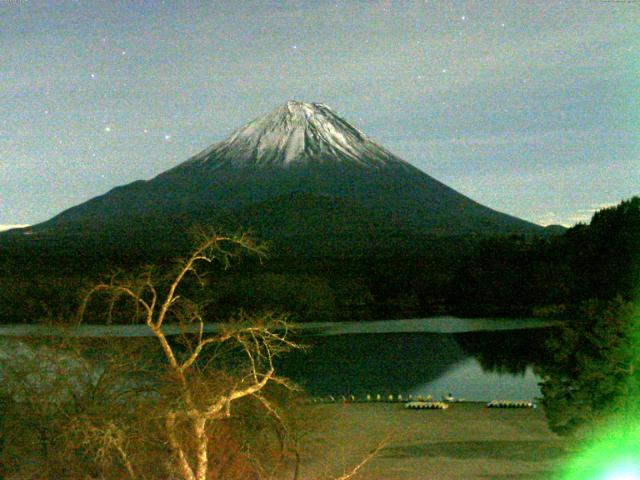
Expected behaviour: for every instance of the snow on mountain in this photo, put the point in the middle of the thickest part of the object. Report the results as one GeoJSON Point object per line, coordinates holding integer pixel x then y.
{"type": "Point", "coordinates": [298, 169]}
{"type": "Point", "coordinates": [295, 133]}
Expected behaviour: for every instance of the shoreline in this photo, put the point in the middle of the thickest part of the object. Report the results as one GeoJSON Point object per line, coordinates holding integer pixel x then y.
{"type": "Point", "coordinates": [441, 324]}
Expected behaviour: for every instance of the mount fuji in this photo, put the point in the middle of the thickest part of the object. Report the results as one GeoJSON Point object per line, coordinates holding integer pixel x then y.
{"type": "Point", "coordinates": [298, 173]}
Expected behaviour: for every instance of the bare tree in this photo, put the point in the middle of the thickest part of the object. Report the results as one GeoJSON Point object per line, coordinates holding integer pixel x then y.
{"type": "Point", "coordinates": [201, 395]}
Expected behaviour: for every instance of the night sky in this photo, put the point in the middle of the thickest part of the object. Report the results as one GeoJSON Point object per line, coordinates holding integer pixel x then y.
{"type": "Point", "coordinates": [529, 107]}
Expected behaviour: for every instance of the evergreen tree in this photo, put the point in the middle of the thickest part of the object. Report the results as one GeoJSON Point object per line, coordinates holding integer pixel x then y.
{"type": "Point", "coordinates": [593, 371]}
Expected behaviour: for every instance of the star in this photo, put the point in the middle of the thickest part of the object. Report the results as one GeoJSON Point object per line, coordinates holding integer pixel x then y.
{"type": "Point", "coordinates": [444, 70]}
{"type": "Point", "coordinates": [463, 18]}
{"type": "Point", "coordinates": [167, 136]}
{"type": "Point", "coordinates": [146, 130]}
{"type": "Point", "coordinates": [107, 129]}
{"type": "Point", "coordinates": [93, 75]}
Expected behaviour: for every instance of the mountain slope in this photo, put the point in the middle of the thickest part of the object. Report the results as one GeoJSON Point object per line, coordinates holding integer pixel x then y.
{"type": "Point", "coordinates": [299, 148]}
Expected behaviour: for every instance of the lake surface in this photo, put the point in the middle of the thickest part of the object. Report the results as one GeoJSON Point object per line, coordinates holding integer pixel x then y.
{"type": "Point", "coordinates": [474, 359]}
{"type": "Point", "coordinates": [441, 324]}
{"type": "Point", "coordinates": [475, 365]}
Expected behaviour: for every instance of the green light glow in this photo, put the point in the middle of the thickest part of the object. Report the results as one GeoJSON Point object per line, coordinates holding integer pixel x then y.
{"type": "Point", "coordinates": [614, 455]}
{"type": "Point", "coordinates": [614, 451]}
{"type": "Point", "coordinates": [628, 470]}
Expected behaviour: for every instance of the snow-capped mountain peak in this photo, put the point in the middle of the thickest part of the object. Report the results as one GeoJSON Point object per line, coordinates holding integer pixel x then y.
{"type": "Point", "coordinates": [299, 174]}
{"type": "Point", "coordinates": [295, 133]}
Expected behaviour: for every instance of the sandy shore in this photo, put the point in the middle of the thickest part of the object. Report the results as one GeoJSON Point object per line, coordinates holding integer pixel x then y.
{"type": "Point", "coordinates": [467, 441]}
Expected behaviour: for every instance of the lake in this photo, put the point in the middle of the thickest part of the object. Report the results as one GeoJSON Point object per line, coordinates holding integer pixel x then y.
{"type": "Point", "coordinates": [474, 365]}
{"type": "Point", "coordinates": [474, 359]}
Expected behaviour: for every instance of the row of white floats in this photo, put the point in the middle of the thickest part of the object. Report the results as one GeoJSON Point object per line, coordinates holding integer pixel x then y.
{"type": "Point", "coordinates": [510, 404]}
{"type": "Point", "coordinates": [369, 399]}
{"type": "Point", "coordinates": [420, 403]}
{"type": "Point", "coordinates": [427, 405]}
{"type": "Point", "coordinates": [491, 404]}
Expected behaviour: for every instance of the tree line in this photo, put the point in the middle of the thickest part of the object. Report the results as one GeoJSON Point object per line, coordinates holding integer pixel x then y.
{"type": "Point", "coordinates": [549, 276]}
{"type": "Point", "coordinates": [592, 377]}
{"type": "Point", "coordinates": [497, 276]}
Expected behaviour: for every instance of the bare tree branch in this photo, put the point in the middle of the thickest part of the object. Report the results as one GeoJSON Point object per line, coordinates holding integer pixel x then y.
{"type": "Point", "coordinates": [354, 471]}
{"type": "Point", "coordinates": [259, 338]}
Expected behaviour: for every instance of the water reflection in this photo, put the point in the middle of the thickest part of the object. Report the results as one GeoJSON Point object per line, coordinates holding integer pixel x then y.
{"type": "Point", "coordinates": [476, 365]}
{"type": "Point", "coordinates": [469, 381]}
{"type": "Point", "coordinates": [479, 365]}
{"type": "Point", "coordinates": [508, 352]}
